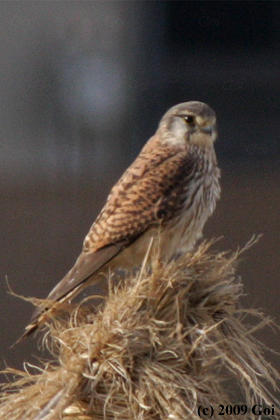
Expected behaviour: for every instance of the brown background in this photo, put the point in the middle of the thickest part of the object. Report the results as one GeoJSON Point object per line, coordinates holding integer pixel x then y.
{"type": "Point", "coordinates": [83, 85]}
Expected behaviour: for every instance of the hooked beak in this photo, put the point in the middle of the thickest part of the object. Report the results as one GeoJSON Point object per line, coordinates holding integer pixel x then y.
{"type": "Point", "coordinates": [210, 130]}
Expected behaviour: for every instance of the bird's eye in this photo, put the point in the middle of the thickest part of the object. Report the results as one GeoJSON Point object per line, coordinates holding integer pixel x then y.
{"type": "Point", "coordinates": [189, 119]}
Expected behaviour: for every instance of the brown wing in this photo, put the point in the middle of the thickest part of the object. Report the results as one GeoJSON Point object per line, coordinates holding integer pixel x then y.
{"type": "Point", "coordinates": [148, 191]}
{"type": "Point", "coordinates": [131, 209]}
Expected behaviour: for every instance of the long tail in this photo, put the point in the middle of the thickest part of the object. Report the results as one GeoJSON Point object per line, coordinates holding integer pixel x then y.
{"type": "Point", "coordinates": [86, 266]}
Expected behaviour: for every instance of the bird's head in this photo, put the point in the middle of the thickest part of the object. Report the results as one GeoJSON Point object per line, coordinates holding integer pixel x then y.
{"type": "Point", "coordinates": [191, 122]}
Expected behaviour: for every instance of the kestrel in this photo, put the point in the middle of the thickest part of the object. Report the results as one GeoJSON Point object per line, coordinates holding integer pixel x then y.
{"type": "Point", "coordinates": [171, 187]}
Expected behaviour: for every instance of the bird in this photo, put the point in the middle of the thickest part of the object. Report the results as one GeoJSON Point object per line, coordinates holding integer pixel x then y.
{"type": "Point", "coordinates": [172, 187]}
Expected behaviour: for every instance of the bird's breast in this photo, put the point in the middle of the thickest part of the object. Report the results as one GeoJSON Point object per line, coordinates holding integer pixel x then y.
{"type": "Point", "coordinates": [180, 232]}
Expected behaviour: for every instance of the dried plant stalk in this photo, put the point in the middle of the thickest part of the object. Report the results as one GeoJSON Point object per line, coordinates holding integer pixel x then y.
{"type": "Point", "coordinates": [164, 343]}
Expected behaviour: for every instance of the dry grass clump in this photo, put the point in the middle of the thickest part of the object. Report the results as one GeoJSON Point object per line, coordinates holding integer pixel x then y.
{"type": "Point", "coordinates": [163, 343]}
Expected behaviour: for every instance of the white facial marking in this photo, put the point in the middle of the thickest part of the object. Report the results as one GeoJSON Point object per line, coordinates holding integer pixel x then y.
{"type": "Point", "coordinates": [179, 131]}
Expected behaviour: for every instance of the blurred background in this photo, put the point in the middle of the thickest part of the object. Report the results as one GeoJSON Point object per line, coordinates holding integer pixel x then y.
{"type": "Point", "coordinates": [83, 86]}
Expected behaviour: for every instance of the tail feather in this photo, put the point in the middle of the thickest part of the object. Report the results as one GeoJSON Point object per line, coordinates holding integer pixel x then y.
{"type": "Point", "coordinates": [86, 266]}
